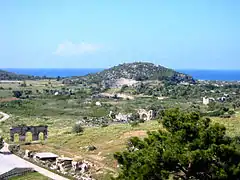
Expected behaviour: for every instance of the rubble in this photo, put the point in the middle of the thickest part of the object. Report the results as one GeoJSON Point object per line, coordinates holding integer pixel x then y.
{"type": "Point", "coordinates": [123, 117]}
{"type": "Point", "coordinates": [77, 168]}
{"type": "Point", "coordinates": [64, 164]}
{"type": "Point", "coordinates": [98, 103]}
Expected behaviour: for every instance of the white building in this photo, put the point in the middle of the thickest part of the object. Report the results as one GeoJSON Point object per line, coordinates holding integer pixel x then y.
{"type": "Point", "coordinates": [207, 100]}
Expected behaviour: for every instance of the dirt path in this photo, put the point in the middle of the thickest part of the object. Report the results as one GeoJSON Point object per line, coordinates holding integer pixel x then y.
{"type": "Point", "coordinates": [140, 133]}
{"type": "Point", "coordinates": [5, 116]}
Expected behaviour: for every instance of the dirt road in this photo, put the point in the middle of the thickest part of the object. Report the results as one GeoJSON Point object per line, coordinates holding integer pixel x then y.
{"type": "Point", "coordinates": [5, 116]}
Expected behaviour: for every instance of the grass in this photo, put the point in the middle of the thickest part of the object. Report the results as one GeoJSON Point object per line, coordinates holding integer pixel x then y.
{"type": "Point", "coordinates": [60, 113]}
{"type": "Point", "coordinates": [31, 85]}
{"type": "Point", "coordinates": [30, 176]}
{"type": "Point", "coordinates": [107, 140]}
{"type": "Point", "coordinates": [232, 124]}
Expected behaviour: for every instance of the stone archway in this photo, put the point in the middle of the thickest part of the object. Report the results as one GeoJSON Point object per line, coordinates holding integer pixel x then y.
{"type": "Point", "coordinates": [34, 130]}
{"type": "Point", "coordinates": [16, 138]}
{"type": "Point", "coordinates": [41, 136]}
{"type": "Point", "coordinates": [144, 117]}
{"type": "Point", "coordinates": [28, 137]}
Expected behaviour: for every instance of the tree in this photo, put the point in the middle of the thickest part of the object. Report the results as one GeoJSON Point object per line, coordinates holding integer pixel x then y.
{"type": "Point", "coordinates": [189, 147]}
{"type": "Point", "coordinates": [24, 84]}
{"type": "Point", "coordinates": [123, 88]}
{"type": "Point", "coordinates": [17, 94]}
{"type": "Point", "coordinates": [58, 78]}
{"type": "Point", "coordinates": [1, 142]}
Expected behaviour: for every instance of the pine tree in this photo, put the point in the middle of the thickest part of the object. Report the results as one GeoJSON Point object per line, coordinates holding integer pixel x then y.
{"type": "Point", "coordinates": [189, 147]}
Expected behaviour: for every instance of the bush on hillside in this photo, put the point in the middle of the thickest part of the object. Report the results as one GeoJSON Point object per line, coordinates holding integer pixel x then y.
{"type": "Point", "coordinates": [77, 128]}
{"type": "Point", "coordinates": [134, 123]}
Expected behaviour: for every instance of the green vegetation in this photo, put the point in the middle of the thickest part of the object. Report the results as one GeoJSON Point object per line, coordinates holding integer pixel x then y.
{"type": "Point", "coordinates": [67, 106]}
{"type": "Point", "coordinates": [5, 75]}
{"type": "Point", "coordinates": [77, 128]}
{"type": "Point", "coordinates": [1, 142]}
{"type": "Point", "coordinates": [30, 176]}
{"type": "Point", "coordinates": [189, 148]}
{"type": "Point", "coordinates": [139, 71]}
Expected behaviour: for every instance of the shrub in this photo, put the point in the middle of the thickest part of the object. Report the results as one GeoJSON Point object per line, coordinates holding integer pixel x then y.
{"type": "Point", "coordinates": [134, 123]}
{"type": "Point", "coordinates": [13, 148]}
{"type": "Point", "coordinates": [231, 112]}
{"type": "Point", "coordinates": [91, 148]}
{"type": "Point", "coordinates": [77, 128]}
{"type": "Point", "coordinates": [1, 142]}
{"type": "Point", "coordinates": [17, 94]}
{"type": "Point", "coordinates": [104, 125]}
{"type": "Point", "coordinates": [135, 116]}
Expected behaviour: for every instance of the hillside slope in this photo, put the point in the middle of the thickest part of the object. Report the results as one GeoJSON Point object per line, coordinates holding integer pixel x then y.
{"type": "Point", "coordinates": [139, 71]}
{"type": "Point", "coordinates": [5, 75]}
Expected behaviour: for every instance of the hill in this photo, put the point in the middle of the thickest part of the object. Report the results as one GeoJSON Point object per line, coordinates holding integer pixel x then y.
{"type": "Point", "coordinates": [10, 76]}
{"type": "Point", "coordinates": [5, 75]}
{"type": "Point", "coordinates": [139, 71]}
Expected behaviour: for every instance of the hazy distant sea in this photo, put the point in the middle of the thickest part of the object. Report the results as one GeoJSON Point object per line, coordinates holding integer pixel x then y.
{"type": "Point", "coordinates": [225, 75]}
{"type": "Point", "coordinates": [53, 72]}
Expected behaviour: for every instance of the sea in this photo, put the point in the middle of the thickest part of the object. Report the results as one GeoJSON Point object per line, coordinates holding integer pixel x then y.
{"type": "Point", "coordinates": [221, 75]}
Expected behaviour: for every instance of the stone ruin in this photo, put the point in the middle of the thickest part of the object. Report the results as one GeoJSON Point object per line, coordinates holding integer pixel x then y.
{"type": "Point", "coordinates": [79, 169]}
{"type": "Point", "coordinates": [124, 118]}
{"type": "Point", "coordinates": [146, 115]}
{"type": "Point", "coordinates": [22, 130]}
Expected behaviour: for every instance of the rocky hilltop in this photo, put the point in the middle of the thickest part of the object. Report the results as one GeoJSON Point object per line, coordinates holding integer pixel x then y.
{"type": "Point", "coordinates": [139, 71]}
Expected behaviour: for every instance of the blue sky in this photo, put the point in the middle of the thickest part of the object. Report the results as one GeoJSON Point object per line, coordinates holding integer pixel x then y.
{"type": "Point", "coordinates": [186, 34]}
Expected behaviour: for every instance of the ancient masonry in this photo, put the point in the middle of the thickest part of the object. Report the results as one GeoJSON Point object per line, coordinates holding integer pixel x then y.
{"type": "Point", "coordinates": [22, 130]}
{"type": "Point", "coordinates": [146, 115]}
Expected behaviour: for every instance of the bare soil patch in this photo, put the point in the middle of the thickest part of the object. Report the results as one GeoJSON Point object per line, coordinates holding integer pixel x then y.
{"type": "Point", "coordinates": [8, 99]}
{"type": "Point", "coordinates": [139, 133]}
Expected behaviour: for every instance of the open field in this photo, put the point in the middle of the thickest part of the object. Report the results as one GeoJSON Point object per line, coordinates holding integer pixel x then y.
{"type": "Point", "coordinates": [107, 140]}
{"type": "Point", "coordinates": [6, 87]}
{"type": "Point", "coordinates": [30, 176]}
{"type": "Point", "coordinates": [60, 113]}
{"type": "Point", "coordinates": [232, 124]}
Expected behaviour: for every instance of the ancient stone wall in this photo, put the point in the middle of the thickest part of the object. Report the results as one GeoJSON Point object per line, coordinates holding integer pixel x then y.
{"type": "Point", "coordinates": [146, 115]}
{"type": "Point", "coordinates": [22, 130]}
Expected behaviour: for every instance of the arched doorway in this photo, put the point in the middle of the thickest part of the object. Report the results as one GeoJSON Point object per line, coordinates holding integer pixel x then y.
{"type": "Point", "coordinates": [28, 137]}
{"type": "Point", "coordinates": [16, 138]}
{"type": "Point", "coordinates": [41, 136]}
{"type": "Point", "coordinates": [144, 117]}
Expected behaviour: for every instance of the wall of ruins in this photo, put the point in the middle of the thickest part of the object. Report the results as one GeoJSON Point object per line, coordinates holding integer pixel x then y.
{"type": "Point", "coordinates": [22, 130]}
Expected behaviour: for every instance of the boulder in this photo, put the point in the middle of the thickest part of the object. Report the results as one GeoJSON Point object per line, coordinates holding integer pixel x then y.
{"type": "Point", "coordinates": [98, 103]}
{"type": "Point", "coordinates": [91, 148]}
{"type": "Point", "coordinates": [27, 153]}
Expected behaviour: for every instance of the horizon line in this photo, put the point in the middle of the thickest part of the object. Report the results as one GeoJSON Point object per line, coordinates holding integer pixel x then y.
{"type": "Point", "coordinates": [211, 69]}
